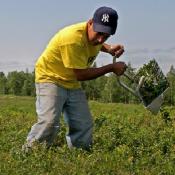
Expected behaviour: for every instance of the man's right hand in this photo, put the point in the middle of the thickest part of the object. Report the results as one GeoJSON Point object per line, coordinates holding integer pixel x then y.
{"type": "Point", "coordinates": [119, 68]}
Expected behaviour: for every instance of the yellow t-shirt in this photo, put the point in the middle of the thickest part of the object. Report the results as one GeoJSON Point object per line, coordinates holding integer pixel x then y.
{"type": "Point", "coordinates": [67, 50]}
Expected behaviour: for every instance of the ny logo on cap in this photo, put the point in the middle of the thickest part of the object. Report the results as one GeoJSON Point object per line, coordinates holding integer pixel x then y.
{"type": "Point", "coordinates": [105, 18]}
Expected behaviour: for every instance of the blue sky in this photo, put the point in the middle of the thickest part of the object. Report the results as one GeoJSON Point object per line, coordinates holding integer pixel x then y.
{"type": "Point", "coordinates": [146, 29]}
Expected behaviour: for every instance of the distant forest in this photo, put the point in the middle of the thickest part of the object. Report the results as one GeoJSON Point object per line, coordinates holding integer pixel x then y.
{"type": "Point", "coordinates": [103, 89]}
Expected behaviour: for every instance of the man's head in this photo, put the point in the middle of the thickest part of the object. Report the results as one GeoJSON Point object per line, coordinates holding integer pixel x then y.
{"type": "Point", "coordinates": [102, 25]}
{"type": "Point", "coordinates": [105, 20]}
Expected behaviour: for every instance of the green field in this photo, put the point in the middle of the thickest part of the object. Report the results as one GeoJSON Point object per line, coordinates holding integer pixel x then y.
{"type": "Point", "coordinates": [127, 140]}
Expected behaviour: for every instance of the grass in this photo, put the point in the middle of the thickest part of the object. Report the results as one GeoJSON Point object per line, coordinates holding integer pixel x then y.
{"type": "Point", "coordinates": [128, 139]}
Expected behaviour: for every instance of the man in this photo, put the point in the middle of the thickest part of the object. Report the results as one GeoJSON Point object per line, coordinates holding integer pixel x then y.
{"type": "Point", "coordinates": [65, 62]}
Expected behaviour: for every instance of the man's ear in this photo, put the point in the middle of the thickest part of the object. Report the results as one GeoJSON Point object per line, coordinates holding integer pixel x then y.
{"type": "Point", "coordinates": [90, 22]}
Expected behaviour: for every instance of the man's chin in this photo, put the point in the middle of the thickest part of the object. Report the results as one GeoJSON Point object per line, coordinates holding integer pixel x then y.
{"type": "Point", "coordinates": [95, 43]}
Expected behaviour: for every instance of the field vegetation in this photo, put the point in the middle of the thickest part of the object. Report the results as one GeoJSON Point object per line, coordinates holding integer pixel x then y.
{"type": "Point", "coordinates": [128, 139]}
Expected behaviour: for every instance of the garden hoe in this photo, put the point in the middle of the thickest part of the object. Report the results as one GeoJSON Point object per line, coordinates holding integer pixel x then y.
{"type": "Point", "coordinates": [148, 84]}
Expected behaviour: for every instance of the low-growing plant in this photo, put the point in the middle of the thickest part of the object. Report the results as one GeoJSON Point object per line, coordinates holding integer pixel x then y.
{"type": "Point", "coordinates": [128, 139]}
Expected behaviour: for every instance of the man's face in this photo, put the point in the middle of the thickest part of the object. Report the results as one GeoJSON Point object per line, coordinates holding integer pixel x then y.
{"type": "Point", "coordinates": [96, 38]}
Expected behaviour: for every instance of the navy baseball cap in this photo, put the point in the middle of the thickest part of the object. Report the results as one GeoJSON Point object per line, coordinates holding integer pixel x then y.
{"type": "Point", "coordinates": [105, 20]}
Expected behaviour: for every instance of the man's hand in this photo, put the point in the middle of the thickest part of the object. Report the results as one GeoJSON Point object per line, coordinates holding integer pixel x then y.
{"type": "Point", "coordinates": [116, 50]}
{"type": "Point", "coordinates": [119, 68]}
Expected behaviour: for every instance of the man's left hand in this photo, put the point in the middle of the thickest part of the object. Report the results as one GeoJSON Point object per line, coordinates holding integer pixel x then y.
{"type": "Point", "coordinates": [116, 50]}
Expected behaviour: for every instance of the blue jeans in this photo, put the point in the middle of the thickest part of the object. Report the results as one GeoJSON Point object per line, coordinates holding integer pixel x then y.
{"type": "Point", "coordinates": [53, 100]}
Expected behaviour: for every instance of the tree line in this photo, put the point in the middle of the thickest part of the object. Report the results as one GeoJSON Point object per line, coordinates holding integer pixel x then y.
{"type": "Point", "coordinates": [17, 83]}
{"type": "Point", "coordinates": [103, 89]}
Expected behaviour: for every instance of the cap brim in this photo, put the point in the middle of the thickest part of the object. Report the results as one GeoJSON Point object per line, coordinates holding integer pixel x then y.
{"type": "Point", "coordinates": [103, 29]}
